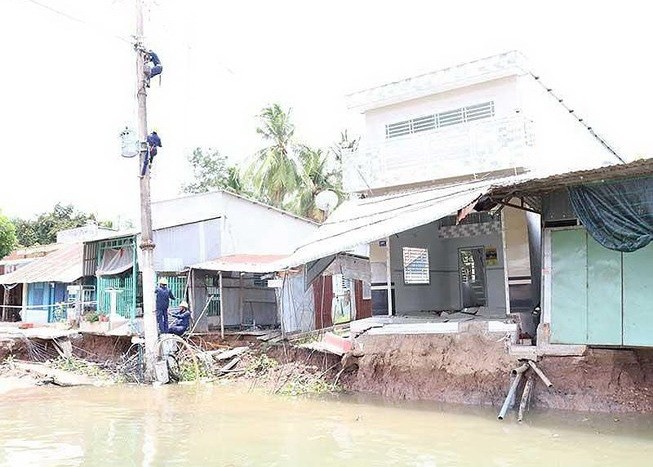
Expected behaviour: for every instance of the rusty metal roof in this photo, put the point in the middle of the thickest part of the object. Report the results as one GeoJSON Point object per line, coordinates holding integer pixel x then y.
{"type": "Point", "coordinates": [640, 167]}
{"type": "Point", "coordinates": [64, 265]}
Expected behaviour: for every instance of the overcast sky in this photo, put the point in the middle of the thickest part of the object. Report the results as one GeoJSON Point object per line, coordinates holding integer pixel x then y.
{"type": "Point", "coordinates": [67, 88]}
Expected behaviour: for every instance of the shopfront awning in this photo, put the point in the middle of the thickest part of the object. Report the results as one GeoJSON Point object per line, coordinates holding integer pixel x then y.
{"type": "Point", "coordinates": [64, 265]}
{"type": "Point", "coordinates": [361, 221]}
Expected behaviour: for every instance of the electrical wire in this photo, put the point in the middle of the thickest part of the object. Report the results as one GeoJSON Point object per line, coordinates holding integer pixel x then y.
{"type": "Point", "coordinates": [93, 26]}
{"type": "Point", "coordinates": [573, 113]}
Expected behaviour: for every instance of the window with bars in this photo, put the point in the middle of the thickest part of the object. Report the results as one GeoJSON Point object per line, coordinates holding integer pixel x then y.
{"type": "Point", "coordinates": [416, 265]}
{"type": "Point", "coordinates": [440, 120]}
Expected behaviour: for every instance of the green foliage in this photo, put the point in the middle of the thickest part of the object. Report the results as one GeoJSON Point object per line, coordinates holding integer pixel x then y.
{"type": "Point", "coordinates": [80, 366]}
{"type": "Point", "coordinates": [91, 316]}
{"type": "Point", "coordinates": [43, 230]}
{"type": "Point", "coordinates": [307, 384]}
{"type": "Point", "coordinates": [7, 236]}
{"type": "Point", "coordinates": [211, 172]}
{"type": "Point", "coordinates": [260, 365]}
{"type": "Point", "coordinates": [316, 175]}
{"type": "Point", "coordinates": [345, 144]}
{"type": "Point", "coordinates": [284, 174]}
{"type": "Point", "coordinates": [274, 172]}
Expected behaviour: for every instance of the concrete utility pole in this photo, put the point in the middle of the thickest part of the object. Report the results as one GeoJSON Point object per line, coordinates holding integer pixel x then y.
{"type": "Point", "coordinates": [147, 242]}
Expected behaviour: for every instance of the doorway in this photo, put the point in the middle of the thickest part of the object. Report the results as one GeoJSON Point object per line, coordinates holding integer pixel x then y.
{"type": "Point", "coordinates": [471, 264]}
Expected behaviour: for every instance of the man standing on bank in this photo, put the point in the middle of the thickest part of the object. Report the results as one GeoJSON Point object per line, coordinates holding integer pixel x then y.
{"type": "Point", "coordinates": [163, 297]}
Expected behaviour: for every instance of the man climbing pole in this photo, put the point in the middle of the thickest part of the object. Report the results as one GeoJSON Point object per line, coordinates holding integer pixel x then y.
{"type": "Point", "coordinates": [153, 142]}
{"type": "Point", "coordinates": [153, 66]}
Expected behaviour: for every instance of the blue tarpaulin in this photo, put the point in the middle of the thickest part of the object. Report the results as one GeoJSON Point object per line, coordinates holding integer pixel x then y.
{"type": "Point", "coordinates": [618, 214]}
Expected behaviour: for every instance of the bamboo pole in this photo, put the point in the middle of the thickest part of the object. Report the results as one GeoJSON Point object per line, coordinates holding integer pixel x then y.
{"type": "Point", "coordinates": [525, 397]}
{"type": "Point", "coordinates": [539, 373]}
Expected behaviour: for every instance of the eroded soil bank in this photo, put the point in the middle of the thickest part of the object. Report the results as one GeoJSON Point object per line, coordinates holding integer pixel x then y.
{"type": "Point", "coordinates": [473, 368]}
{"type": "Point", "coordinates": [464, 368]}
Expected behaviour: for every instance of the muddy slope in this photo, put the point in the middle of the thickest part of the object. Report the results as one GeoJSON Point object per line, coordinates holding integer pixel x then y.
{"type": "Point", "coordinates": [458, 368]}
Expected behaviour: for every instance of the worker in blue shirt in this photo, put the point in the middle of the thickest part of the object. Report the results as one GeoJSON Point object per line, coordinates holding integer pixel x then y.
{"type": "Point", "coordinates": [181, 320]}
{"type": "Point", "coordinates": [153, 66]}
{"type": "Point", "coordinates": [153, 142]}
{"type": "Point", "coordinates": [163, 297]}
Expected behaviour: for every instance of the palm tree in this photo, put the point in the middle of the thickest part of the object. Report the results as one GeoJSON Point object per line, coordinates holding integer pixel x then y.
{"type": "Point", "coordinates": [274, 172]}
{"type": "Point", "coordinates": [316, 176]}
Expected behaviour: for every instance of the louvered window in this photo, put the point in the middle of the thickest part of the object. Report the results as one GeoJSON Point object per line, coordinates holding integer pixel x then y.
{"type": "Point", "coordinates": [440, 120]}
{"type": "Point", "coordinates": [479, 111]}
{"type": "Point", "coordinates": [416, 265]}
{"type": "Point", "coordinates": [259, 280]}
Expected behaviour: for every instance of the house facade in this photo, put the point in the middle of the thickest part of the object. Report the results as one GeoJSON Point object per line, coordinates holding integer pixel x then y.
{"type": "Point", "coordinates": [433, 147]}
{"type": "Point", "coordinates": [191, 230]}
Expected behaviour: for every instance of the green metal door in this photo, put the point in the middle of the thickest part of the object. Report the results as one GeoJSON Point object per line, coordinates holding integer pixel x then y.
{"type": "Point", "coordinates": [638, 297]}
{"type": "Point", "coordinates": [603, 294]}
{"type": "Point", "coordinates": [569, 286]}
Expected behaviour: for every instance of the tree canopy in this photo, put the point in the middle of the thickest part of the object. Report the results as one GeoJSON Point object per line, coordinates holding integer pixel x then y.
{"type": "Point", "coordinates": [44, 228]}
{"type": "Point", "coordinates": [274, 172]}
{"type": "Point", "coordinates": [285, 173]}
{"type": "Point", "coordinates": [7, 236]}
{"type": "Point", "coordinates": [211, 171]}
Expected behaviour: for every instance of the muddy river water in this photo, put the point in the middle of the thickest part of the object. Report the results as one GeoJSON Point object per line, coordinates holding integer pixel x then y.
{"type": "Point", "coordinates": [226, 426]}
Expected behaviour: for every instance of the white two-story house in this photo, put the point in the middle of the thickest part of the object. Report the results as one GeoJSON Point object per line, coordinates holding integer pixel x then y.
{"type": "Point", "coordinates": [434, 146]}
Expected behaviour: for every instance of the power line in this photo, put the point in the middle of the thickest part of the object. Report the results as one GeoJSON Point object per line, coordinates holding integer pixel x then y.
{"type": "Point", "coordinates": [81, 21]}
{"type": "Point", "coordinates": [572, 112]}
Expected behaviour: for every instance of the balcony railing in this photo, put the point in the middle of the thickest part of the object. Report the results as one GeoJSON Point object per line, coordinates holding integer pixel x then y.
{"type": "Point", "coordinates": [457, 151]}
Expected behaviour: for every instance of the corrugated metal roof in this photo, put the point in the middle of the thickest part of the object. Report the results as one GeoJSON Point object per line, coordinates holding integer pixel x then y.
{"type": "Point", "coordinates": [32, 252]}
{"type": "Point", "coordinates": [530, 184]}
{"type": "Point", "coordinates": [64, 265]}
{"type": "Point", "coordinates": [245, 263]}
{"type": "Point", "coordinates": [361, 221]}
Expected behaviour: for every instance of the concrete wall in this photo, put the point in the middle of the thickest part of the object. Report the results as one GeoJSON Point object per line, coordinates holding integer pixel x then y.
{"type": "Point", "coordinates": [257, 229]}
{"type": "Point", "coordinates": [443, 293]}
{"type": "Point", "coordinates": [185, 245]}
{"type": "Point", "coordinates": [187, 209]}
{"type": "Point", "coordinates": [246, 226]}
{"type": "Point", "coordinates": [502, 91]}
{"type": "Point", "coordinates": [561, 143]}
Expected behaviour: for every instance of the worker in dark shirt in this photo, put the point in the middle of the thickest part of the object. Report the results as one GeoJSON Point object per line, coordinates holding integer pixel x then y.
{"type": "Point", "coordinates": [153, 142]}
{"type": "Point", "coordinates": [163, 297]}
{"type": "Point", "coordinates": [153, 66]}
{"type": "Point", "coordinates": [181, 320]}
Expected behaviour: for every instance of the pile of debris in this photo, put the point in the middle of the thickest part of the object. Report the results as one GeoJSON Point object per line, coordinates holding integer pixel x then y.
{"type": "Point", "coordinates": [256, 367]}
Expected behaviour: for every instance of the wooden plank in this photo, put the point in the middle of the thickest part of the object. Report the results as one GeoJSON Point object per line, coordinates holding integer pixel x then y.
{"type": "Point", "coordinates": [638, 297]}
{"type": "Point", "coordinates": [569, 286]}
{"type": "Point", "coordinates": [603, 294]}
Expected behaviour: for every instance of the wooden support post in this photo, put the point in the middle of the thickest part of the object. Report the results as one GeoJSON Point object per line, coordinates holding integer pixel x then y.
{"type": "Point", "coordinates": [221, 305]}
{"type": "Point", "coordinates": [5, 294]}
{"type": "Point", "coordinates": [240, 298]}
{"type": "Point", "coordinates": [388, 272]}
